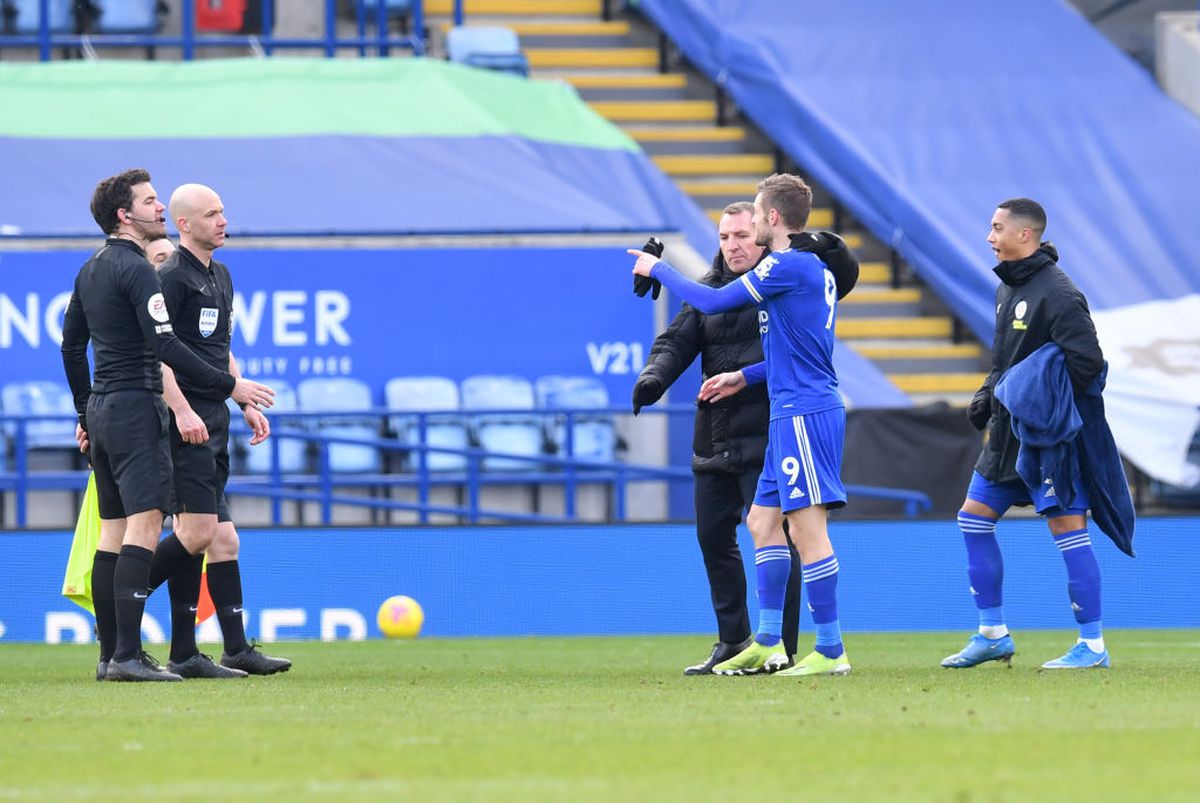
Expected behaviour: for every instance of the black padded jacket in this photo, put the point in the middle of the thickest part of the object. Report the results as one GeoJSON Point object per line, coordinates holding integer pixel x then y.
{"type": "Point", "coordinates": [1036, 303]}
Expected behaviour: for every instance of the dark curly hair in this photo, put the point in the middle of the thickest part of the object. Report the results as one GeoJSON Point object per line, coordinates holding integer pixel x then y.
{"type": "Point", "coordinates": [113, 193]}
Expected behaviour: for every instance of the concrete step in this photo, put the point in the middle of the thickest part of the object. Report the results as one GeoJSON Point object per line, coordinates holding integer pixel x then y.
{"type": "Point", "coordinates": [540, 8]}
{"type": "Point", "coordinates": [549, 57]}
{"type": "Point", "coordinates": [899, 328]}
{"type": "Point", "coordinates": [933, 350]}
{"type": "Point", "coordinates": [938, 383]}
{"type": "Point", "coordinates": [652, 111]}
{"type": "Point", "coordinates": [608, 80]}
{"type": "Point", "coordinates": [817, 219]}
{"type": "Point", "coordinates": [712, 193]}
{"type": "Point", "coordinates": [867, 296]}
{"type": "Point", "coordinates": [690, 141]}
{"type": "Point", "coordinates": [685, 133]}
{"type": "Point", "coordinates": [717, 164]}
{"type": "Point", "coordinates": [872, 272]}
{"type": "Point", "coordinates": [899, 365]}
{"type": "Point", "coordinates": [540, 27]}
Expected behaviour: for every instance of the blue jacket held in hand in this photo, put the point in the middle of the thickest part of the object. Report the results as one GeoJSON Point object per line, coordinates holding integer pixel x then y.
{"type": "Point", "coordinates": [1065, 437]}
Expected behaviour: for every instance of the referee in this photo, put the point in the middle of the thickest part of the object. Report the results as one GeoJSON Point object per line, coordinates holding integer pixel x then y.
{"type": "Point", "coordinates": [117, 305]}
{"type": "Point", "coordinates": [199, 295]}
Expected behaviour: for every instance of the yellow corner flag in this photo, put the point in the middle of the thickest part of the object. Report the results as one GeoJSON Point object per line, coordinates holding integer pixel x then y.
{"type": "Point", "coordinates": [77, 582]}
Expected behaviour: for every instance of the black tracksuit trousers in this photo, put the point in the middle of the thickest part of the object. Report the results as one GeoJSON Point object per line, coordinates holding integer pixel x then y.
{"type": "Point", "coordinates": [721, 502]}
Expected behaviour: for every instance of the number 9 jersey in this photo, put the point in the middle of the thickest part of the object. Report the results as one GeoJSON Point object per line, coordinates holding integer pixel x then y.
{"type": "Point", "coordinates": [797, 313]}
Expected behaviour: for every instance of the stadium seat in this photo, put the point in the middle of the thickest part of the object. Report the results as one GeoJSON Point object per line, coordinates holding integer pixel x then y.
{"type": "Point", "coordinates": [24, 16]}
{"type": "Point", "coordinates": [30, 398]}
{"type": "Point", "coordinates": [393, 8]}
{"type": "Point", "coordinates": [338, 394]}
{"type": "Point", "coordinates": [490, 48]}
{"type": "Point", "coordinates": [512, 433]}
{"type": "Point", "coordinates": [593, 435]}
{"type": "Point", "coordinates": [127, 16]}
{"type": "Point", "coordinates": [257, 459]}
{"type": "Point", "coordinates": [428, 393]}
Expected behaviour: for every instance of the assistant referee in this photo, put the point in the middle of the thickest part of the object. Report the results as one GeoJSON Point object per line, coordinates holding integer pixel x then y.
{"type": "Point", "coordinates": [117, 305]}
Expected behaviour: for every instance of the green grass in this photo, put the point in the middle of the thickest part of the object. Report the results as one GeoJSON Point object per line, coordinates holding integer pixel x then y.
{"type": "Point", "coordinates": [610, 719]}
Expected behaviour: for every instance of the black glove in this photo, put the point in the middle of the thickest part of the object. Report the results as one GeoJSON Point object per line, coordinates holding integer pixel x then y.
{"type": "Point", "coordinates": [832, 250]}
{"type": "Point", "coordinates": [980, 410]}
{"type": "Point", "coordinates": [646, 391]}
{"type": "Point", "coordinates": [817, 243]}
{"type": "Point", "coordinates": [644, 284]}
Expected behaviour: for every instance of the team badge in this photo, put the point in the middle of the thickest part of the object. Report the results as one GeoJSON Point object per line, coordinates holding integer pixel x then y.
{"type": "Point", "coordinates": [208, 321]}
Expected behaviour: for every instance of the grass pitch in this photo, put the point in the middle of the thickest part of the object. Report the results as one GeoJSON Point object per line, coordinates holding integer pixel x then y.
{"type": "Point", "coordinates": [610, 719]}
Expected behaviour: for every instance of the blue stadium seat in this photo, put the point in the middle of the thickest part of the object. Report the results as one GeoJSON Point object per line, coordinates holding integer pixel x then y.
{"type": "Point", "coordinates": [593, 435]}
{"type": "Point", "coordinates": [394, 8]}
{"type": "Point", "coordinates": [491, 48]}
{"type": "Point", "coordinates": [338, 394]}
{"type": "Point", "coordinates": [26, 21]}
{"type": "Point", "coordinates": [28, 398]}
{"type": "Point", "coordinates": [127, 16]}
{"type": "Point", "coordinates": [427, 393]}
{"type": "Point", "coordinates": [512, 433]}
{"type": "Point", "coordinates": [292, 452]}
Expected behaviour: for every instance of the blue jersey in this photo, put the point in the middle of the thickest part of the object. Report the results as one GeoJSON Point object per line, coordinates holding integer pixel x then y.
{"type": "Point", "coordinates": [797, 312]}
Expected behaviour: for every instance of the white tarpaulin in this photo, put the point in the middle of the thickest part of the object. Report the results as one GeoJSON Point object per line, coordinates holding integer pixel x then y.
{"type": "Point", "coordinates": [1153, 394]}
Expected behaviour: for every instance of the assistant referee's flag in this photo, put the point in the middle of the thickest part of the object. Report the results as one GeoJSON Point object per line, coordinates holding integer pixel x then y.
{"type": "Point", "coordinates": [77, 582]}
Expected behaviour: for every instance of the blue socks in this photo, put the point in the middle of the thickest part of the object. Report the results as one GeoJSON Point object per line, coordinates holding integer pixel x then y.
{"type": "Point", "coordinates": [773, 564]}
{"type": "Point", "coordinates": [985, 569]}
{"type": "Point", "coordinates": [820, 579]}
{"type": "Point", "coordinates": [1083, 582]}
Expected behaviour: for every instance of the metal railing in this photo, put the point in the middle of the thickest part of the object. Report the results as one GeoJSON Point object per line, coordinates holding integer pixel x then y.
{"type": "Point", "coordinates": [321, 486]}
{"type": "Point", "coordinates": [190, 40]}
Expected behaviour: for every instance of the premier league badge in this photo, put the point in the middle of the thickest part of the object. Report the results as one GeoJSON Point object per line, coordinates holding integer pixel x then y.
{"type": "Point", "coordinates": [208, 321]}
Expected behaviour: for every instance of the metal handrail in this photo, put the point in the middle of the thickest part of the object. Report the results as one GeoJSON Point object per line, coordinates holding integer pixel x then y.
{"type": "Point", "coordinates": [189, 41]}
{"type": "Point", "coordinates": [548, 469]}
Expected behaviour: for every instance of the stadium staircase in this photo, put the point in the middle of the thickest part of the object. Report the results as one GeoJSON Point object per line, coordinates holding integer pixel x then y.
{"type": "Point", "coordinates": [628, 74]}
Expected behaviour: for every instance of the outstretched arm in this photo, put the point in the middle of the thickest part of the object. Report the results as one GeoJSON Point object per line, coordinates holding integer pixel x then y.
{"type": "Point", "coordinates": [706, 299]}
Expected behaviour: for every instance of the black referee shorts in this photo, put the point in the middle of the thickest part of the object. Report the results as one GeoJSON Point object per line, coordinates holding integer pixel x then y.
{"type": "Point", "coordinates": [201, 471]}
{"type": "Point", "coordinates": [130, 452]}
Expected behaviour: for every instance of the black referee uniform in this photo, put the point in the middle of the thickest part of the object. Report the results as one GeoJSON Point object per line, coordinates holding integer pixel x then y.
{"type": "Point", "coordinates": [118, 306]}
{"type": "Point", "coordinates": [200, 302]}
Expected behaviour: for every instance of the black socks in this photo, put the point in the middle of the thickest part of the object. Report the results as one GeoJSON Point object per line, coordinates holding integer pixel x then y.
{"type": "Point", "coordinates": [104, 565]}
{"type": "Point", "coordinates": [130, 590]}
{"type": "Point", "coordinates": [225, 588]}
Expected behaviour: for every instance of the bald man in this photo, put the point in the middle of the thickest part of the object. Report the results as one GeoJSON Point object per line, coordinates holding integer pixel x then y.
{"type": "Point", "coordinates": [199, 292]}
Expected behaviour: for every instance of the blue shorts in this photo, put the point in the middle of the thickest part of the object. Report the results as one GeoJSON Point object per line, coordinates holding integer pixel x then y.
{"type": "Point", "coordinates": [803, 463]}
{"type": "Point", "coordinates": [1000, 496]}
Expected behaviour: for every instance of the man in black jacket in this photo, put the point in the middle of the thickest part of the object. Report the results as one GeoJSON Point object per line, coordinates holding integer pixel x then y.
{"type": "Point", "coordinates": [1036, 304]}
{"type": "Point", "coordinates": [731, 435]}
{"type": "Point", "coordinates": [118, 306]}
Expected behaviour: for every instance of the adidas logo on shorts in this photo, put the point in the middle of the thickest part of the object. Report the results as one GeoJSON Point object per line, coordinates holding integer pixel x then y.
{"type": "Point", "coordinates": [796, 494]}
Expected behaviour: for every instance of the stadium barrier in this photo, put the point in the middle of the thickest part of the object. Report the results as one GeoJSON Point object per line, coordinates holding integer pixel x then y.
{"type": "Point", "coordinates": [45, 38]}
{"type": "Point", "coordinates": [601, 579]}
{"type": "Point", "coordinates": [563, 470]}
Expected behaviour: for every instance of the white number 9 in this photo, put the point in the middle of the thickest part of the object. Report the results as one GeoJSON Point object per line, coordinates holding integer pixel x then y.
{"type": "Point", "coordinates": [830, 296]}
{"type": "Point", "coordinates": [791, 467]}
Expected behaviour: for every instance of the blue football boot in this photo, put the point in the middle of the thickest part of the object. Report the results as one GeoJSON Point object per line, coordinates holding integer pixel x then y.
{"type": "Point", "coordinates": [981, 649]}
{"type": "Point", "coordinates": [1079, 657]}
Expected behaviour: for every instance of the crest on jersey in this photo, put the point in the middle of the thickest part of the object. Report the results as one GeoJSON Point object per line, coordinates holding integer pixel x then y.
{"type": "Point", "coordinates": [208, 321]}
{"type": "Point", "coordinates": [764, 268]}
